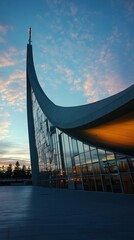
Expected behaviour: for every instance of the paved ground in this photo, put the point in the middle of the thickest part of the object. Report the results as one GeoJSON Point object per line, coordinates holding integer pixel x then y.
{"type": "Point", "coordinates": [34, 213]}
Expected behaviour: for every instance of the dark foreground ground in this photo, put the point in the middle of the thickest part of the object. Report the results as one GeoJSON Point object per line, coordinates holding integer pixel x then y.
{"type": "Point", "coordinates": [34, 213]}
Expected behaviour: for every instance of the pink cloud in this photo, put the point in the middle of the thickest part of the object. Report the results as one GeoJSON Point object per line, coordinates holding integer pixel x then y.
{"type": "Point", "coordinates": [4, 125]}
{"type": "Point", "coordinates": [4, 62]}
{"type": "Point", "coordinates": [101, 85]}
{"type": "Point", "coordinates": [112, 82]}
{"type": "Point", "coordinates": [9, 57]}
{"type": "Point", "coordinates": [90, 90]}
{"type": "Point", "coordinates": [13, 90]}
{"type": "Point", "coordinates": [88, 85]}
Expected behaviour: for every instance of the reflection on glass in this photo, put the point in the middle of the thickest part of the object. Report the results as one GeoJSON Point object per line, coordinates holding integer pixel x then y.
{"type": "Point", "coordinates": [98, 183]}
{"type": "Point", "coordinates": [116, 183]}
{"type": "Point", "coordinates": [84, 169]}
{"type": "Point", "coordinates": [94, 156]}
{"type": "Point", "coordinates": [75, 147]}
{"type": "Point", "coordinates": [80, 147]}
{"type": "Point", "coordinates": [96, 168]}
{"type": "Point", "coordinates": [123, 165]}
{"type": "Point", "coordinates": [131, 163]}
{"type": "Point", "coordinates": [107, 183]}
{"type": "Point", "coordinates": [78, 184]}
{"type": "Point", "coordinates": [90, 168]}
{"type": "Point", "coordinates": [92, 184]}
{"type": "Point", "coordinates": [127, 183]}
{"type": "Point", "coordinates": [86, 147]}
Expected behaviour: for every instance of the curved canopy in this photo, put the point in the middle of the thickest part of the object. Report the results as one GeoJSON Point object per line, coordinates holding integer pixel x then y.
{"type": "Point", "coordinates": [108, 123]}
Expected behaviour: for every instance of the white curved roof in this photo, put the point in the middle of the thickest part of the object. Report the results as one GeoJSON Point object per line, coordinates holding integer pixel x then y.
{"type": "Point", "coordinates": [108, 123]}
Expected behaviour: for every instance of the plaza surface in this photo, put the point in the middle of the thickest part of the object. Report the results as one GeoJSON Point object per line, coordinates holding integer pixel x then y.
{"type": "Point", "coordinates": [36, 213]}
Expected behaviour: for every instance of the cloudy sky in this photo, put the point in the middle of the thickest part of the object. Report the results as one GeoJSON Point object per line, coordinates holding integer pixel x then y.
{"type": "Point", "coordinates": [83, 52]}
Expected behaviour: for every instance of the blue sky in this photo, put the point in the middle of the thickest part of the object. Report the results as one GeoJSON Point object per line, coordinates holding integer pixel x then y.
{"type": "Point", "coordinates": [83, 52]}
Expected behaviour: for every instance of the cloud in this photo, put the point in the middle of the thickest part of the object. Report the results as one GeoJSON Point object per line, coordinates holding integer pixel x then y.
{"type": "Point", "coordinates": [5, 28]}
{"type": "Point", "coordinates": [14, 90]}
{"type": "Point", "coordinates": [108, 84]}
{"type": "Point", "coordinates": [90, 90]}
{"type": "Point", "coordinates": [115, 36]}
{"type": "Point", "coordinates": [76, 85]}
{"type": "Point", "coordinates": [130, 8]}
{"type": "Point", "coordinates": [12, 152]}
{"type": "Point", "coordinates": [65, 72]}
{"type": "Point", "coordinates": [112, 83]}
{"type": "Point", "coordinates": [4, 125]}
{"type": "Point", "coordinates": [5, 62]}
{"type": "Point", "coordinates": [73, 10]}
{"type": "Point", "coordinates": [10, 57]}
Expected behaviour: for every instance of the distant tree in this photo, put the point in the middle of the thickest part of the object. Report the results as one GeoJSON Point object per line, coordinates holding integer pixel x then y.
{"type": "Point", "coordinates": [9, 171]}
{"type": "Point", "coordinates": [17, 165]}
{"type": "Point", "coordinates": [29, 173]}
{"type": "Point", "coordinates": [2, 172]}
{"type": "Point", "coordinates": [17, 170]}
{"type": "Point", "coordinates": [23, 172]}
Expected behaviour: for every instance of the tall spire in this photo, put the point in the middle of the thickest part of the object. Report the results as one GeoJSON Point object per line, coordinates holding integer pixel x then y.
{"type": "Point", "coordinates": [30, 35]}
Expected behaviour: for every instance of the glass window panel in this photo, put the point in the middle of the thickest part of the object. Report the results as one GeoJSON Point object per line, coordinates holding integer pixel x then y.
{"type": "Point", "coordinates": [131, 163]}
{"type": "Point", "coordinates": [107, 183]}
{"type": "Point", "coordinates": [77, 160]}
{"type": "Point", "coordinates": [64, 153]}
{"type": "Point", "coordinates": [75, 147]}
{"type": "Point", "coordinates": [84, 169]}
{"type": "Point", "coordinates": [94, 156]}
{"type": "Point", "coordinates": [78, 183]}
{"type": "Point", "coordinates": [82, 158]}
{"type": "Point", "coordinates": [123, 165]}
{"type": "Point", "coordinates": [86, 147]}
{"type": "Point", "coordinates": [111, 165]}
{"type": "Point", "coordinates": [102, 155]}
{"type": "Point", "coordinates": [86, 184]}
{"type": "Point", "coordinates": [90, 168]}
{"type": "Point", "coordinates": [91, 184]}
{"type": "Point", "coordinates": [80, 146]}
{"type": "Point", "coordinates": [77, 165]}
{"type": "Point", "coordinates": [88, 157]}
{"type": "Point", "coordinates": [78, 170]}
{"type": "Point", "coordinates": [116, 183]}
{"type": "Point", "coordinates": [96, 168]}
{"type": "Point", "coordinates": [67, 153]}
{"type": "Point", "coordinates": [103, 160]}
{"type": "Point", "coordinates": [127, 183]}
{"type": "Point", "coordinates": [98, 183]}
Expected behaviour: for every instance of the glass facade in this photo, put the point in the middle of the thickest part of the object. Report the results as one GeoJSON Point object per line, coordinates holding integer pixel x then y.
{"type": "Point", "coordinates": [65, 162]}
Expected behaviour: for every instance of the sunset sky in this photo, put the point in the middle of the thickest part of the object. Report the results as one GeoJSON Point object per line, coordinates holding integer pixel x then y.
{"type": "Point", "coordinates": [83, 52]}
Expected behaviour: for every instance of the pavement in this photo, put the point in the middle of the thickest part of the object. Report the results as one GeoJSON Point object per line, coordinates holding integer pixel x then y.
{"type": "Point", "coordinates": [36, 213]}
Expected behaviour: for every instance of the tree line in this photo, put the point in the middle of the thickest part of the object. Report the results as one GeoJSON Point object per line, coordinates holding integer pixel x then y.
{"type": "Point", "coordinates": [15, 172]}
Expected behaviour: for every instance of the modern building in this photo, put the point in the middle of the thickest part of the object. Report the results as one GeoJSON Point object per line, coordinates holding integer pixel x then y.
{"type": "Point", "coordinates": [89, 147]}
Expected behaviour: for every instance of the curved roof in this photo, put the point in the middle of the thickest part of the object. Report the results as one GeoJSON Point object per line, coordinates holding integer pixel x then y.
{"type": "Point", "coordinates": [108, 123]}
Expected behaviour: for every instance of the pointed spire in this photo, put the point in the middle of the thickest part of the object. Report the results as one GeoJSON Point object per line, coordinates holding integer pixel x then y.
{"type": "Point", "coordinates": [30, 35]}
